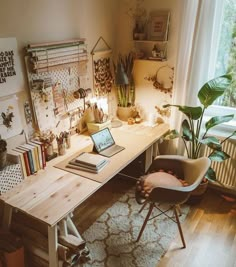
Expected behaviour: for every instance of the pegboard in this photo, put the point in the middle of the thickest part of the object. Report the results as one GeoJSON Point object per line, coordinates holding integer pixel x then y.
{"type": "Point", "coordinates": [52, 108]}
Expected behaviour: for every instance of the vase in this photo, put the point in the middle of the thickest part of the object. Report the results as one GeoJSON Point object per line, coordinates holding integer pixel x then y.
{"type": "Point", "coordinates": [123, 113]}
{"type": "Point", "coordinates": [3, 159]}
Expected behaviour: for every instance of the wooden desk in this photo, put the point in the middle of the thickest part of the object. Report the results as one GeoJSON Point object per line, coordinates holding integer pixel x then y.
{"type": "Point", "coordinates": [52, 194]}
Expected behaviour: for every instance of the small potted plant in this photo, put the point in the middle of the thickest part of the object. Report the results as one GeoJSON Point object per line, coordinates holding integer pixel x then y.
{"type": "Point", "coordinates": [3, 153]}
{"type": "Point", "coordinates": [124, 85]}
{"type": "Point", "coordinates": [194, 135]}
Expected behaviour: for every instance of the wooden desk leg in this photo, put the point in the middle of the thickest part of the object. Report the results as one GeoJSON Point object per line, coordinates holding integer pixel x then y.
{"type": "Point", "coordinates": [52, 246]}
{"type": "Point", "coordinates": [148, 158]}
{"type": "Point", "coordinates": [7, 215]}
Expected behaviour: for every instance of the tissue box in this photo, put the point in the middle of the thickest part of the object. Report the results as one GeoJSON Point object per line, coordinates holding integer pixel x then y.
{"type": "Point", "coordinates": [95, 127]}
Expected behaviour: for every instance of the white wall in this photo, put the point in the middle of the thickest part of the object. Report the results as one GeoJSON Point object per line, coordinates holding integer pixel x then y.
{"type": "Point", "coordinates": [32, 21]}
{"type": "Point", "coordinates": [147, 97]}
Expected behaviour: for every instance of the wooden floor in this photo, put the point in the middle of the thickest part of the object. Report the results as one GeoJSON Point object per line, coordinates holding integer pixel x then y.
{"type": "Point", "coordinates": [210, 234]}
{"type": "Point", "coordinates": [209, 230]}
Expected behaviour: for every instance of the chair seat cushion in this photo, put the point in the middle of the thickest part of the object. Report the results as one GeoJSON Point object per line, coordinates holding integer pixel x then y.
{"type": "Point", "coordinates": [156, 179]}
{"type": "Point", "coordinates": [161, 179]}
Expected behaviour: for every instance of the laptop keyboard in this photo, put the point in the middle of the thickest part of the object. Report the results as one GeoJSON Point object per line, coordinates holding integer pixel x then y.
{"type": "Point", "coordinates": [112, 150]}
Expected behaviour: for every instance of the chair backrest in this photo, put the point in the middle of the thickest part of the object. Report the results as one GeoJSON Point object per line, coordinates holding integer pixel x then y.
{"type": "Point", "coordinates": [195, 170]}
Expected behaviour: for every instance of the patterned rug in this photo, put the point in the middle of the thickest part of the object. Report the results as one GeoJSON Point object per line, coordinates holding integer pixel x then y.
{"type": "Point", "coordinates": [111, 239]}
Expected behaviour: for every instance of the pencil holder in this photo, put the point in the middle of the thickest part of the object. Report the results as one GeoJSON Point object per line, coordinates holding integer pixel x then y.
{"type": "Point", "coordinates": [68, 143]}
{"type": "Point", "coordinates": [49, 149]}
{"type": "Point", "coordinates": [61, 149]}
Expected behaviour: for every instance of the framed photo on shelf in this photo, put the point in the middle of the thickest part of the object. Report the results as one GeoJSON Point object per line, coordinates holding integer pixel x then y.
{"type": "Point", "coordinates": [159, 25]}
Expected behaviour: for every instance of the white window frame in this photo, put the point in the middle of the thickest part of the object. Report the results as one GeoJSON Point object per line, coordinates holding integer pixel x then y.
{"type": "Point", "coordinates": [224, 129]}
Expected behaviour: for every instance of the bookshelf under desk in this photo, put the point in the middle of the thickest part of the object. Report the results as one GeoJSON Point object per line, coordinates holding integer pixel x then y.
{"type": "Point", "coordinates": [41, 196]}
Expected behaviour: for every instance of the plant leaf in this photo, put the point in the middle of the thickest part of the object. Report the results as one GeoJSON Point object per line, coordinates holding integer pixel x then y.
{"type": "Point", "coordinates": [219, 156]}
{"type": "Point", "coordinates": [212, 142]}
{"type": "Point", "coordinates": [210, 175]}
{"type": "Point", "coordinates": [172, 134]}
{"type": "Point", "coordinates": [218, 120]}
{"type": "Point", "coordinates": [191, 112]}
{"type": "Point", "coordinates": [187, 133]}
{"type": "Point", "coordinates": [212, 89]}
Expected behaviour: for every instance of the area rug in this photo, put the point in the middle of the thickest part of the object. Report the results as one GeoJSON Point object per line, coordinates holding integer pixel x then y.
{"type": "Point", "coordinates": [111, 239]}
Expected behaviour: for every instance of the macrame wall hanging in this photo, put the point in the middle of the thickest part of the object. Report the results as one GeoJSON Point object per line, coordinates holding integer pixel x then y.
{"type": "Point", "coordinates": [102, 75]}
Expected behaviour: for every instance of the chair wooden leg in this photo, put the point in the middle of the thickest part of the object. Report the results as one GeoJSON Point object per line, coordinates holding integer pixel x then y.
{"type": "Point", "coordinates": [179, 210]}
{"type": "Point", "coordinates": [145, 221]}
{"type": "Point", "coordinates": [179, 227]}
{"type": "Point", "coordinates": [144, 205]}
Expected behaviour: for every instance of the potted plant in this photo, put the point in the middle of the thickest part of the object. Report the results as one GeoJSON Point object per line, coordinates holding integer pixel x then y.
{"type": "Point", "coordinates": [3, 153]}
{"type": "Point", "coordinates": [124, 84]}
{"type": "Point", "coordinates": [194, 135]}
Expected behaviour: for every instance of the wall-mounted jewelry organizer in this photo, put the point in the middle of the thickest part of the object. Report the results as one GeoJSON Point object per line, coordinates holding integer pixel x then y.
{"type": "Point", "coordinates": [55, 72]}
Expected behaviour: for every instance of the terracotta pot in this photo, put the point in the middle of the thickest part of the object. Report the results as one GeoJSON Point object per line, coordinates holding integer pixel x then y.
{"type": "Point", "coordinates": [201, 189]}
{"type": "Point", "coordinates": [3, 159]}
{"type": "Point", "coordinates": [123, 113]}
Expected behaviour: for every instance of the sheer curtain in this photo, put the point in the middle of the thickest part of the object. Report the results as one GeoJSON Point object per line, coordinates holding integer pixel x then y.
{"type": "Point", "coordinates": [196, 53]}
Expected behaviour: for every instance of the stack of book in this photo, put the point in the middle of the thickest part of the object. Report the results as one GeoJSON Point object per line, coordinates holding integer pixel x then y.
{"type": "Point", "coordinates": [31, 156]}
{"type": "Point", "coordinates": [88, 162]}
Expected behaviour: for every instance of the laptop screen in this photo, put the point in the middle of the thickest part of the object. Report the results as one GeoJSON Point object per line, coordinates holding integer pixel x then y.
{"type": "Point", "coordinates": [102, 139]}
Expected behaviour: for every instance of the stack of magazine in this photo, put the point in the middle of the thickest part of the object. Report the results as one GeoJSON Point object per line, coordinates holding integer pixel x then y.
{"type": "Point", "coordinates": [88, 162]}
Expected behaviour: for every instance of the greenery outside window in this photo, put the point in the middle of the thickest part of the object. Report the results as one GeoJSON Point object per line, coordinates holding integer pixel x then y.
{"type": "Point", "coordinates": [226, 63]}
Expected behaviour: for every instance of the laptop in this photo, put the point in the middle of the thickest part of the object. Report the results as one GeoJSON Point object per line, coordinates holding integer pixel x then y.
{"type": "Point", "coordinates": [104, 143]}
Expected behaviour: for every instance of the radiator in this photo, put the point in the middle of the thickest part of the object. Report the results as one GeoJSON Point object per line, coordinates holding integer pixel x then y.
{"type": "Point", "coordinates": [226, 170]}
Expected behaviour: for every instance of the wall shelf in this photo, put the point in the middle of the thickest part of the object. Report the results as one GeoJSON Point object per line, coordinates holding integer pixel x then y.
{"type": "Point", "coordinates": [144, 50]}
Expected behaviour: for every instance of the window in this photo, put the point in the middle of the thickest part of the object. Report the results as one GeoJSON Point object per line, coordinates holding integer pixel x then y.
{"type": "Point", "coordinates": [226, 55]}
{"type": "Point", "coordinates": [226, 63]}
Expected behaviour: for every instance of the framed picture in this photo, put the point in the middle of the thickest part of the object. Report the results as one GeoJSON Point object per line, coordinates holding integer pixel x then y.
{"type": "Point", "coordinates": [11, 76]}
{"type": "Point", "coordinates": [158, 25]}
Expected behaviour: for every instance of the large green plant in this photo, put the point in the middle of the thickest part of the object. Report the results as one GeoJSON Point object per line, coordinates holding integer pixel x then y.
{"type": "Point", "coordinates": [125, 92]}
{"type": "Point", "coordinates": [194, 135]}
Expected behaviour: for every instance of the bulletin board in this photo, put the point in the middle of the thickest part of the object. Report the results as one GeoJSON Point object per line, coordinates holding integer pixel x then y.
{"type": "Point", "coordinates": [52, 88]}
{"type": "Point", "coordinates": [11, 78]}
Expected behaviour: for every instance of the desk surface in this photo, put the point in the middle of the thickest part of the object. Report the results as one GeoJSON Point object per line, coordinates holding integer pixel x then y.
{"type": "Point", "coordinates": [52, 193]}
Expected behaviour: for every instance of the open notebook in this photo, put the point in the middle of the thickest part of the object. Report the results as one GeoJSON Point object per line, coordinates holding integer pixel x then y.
{"type": "Point", "coordinates": [104, 143]}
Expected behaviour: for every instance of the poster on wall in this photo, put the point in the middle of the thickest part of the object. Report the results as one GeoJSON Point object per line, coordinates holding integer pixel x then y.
{"type": "Point", "coordinates": [10, 121]}
{"type": "Point", "coordinates": [11, 78]}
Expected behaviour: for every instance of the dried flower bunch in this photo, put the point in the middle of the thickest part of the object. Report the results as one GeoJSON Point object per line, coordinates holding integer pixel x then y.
{"type": "Point", "coordinates": [136, 10]}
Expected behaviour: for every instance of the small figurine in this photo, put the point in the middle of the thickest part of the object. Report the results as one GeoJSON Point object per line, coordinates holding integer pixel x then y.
{"type": "Point", "coordinates": [137, 118]}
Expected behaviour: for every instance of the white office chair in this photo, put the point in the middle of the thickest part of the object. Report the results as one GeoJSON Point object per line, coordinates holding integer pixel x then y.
{"type": "Point", "coordinates": [171, 180]}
